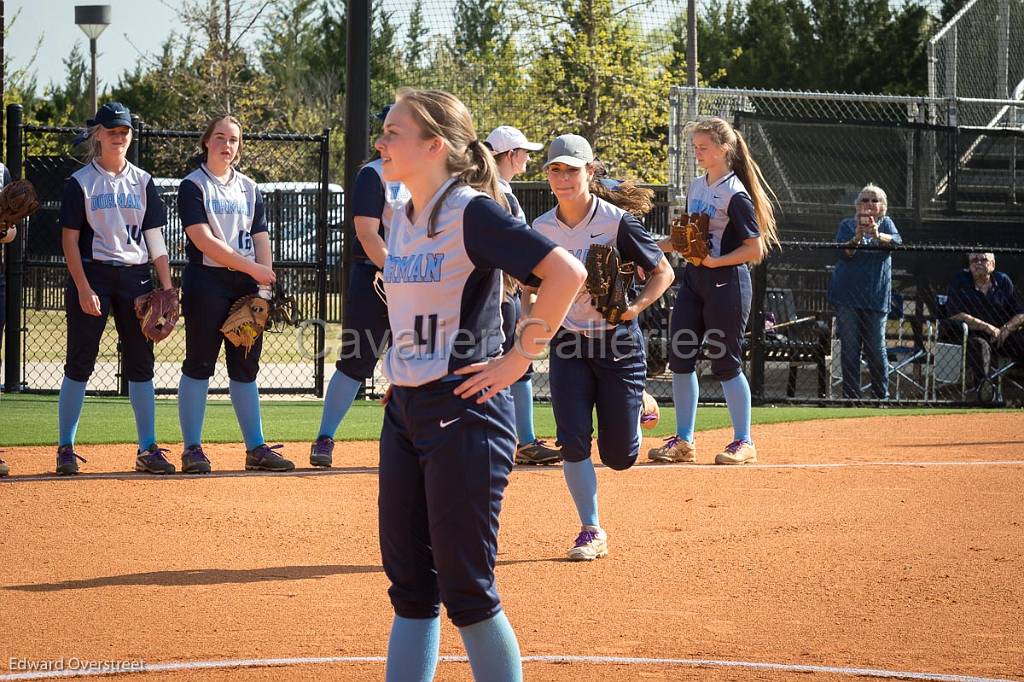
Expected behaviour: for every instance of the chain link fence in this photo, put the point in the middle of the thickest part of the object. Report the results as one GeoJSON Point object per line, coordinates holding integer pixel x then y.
{"type": "Point", "coordinates": [934, 335]}
{"type": "Point", "coordinates": [818, 149]}
{"type": "Point", "coordinates": [304, 215]}
{"type": "Point", "coordinates": [979, 55]}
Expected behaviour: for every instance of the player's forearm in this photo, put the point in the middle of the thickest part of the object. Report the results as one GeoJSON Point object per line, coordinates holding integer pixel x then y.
{"type": "Point", "coordinates": [747, 252]}
{"type": "Point", "coordinates": [73, 259]}
{"type": "Point", "coordinates": [217, 251]}
{"type": "Point", "coordinates": [1015, 323]}
{"type": "Point", "coordinates": [163, 272]}
{"type": "Point", "coordinates": [657, 284]}
{"type": "Point", "coordinates": [368, 234]}
{"type": "Point", "coordinates": [264, 252]}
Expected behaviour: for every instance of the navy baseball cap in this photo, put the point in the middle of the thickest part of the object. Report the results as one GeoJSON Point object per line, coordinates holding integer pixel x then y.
{"type": "Point", "coordinates": [111, 115]}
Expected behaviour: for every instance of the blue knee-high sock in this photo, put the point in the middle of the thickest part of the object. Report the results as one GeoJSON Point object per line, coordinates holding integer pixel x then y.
{"type": "Point", "coordinates": [413, 649]}
{"type": "Point", "coordinates": [192, 408]}
{"type": "Point", "coordinates": [685, 391]}
{"type": "Point", "coordinates": [245, 398]}
{"type": "Point", "coordinates": [143, 400]}
{"type": "Point", "coordinates": [340, 393]}
{"type": "Point", "coordinates": [522, 395]}
{"type": "Point", "coordinates": [737, 398]}
{"type": "Point", "coordinates": [493, 650]}
{"type": "Point", "coordinates": [69, 409]}
{"type": "Point", "coordinates": [582, 481]}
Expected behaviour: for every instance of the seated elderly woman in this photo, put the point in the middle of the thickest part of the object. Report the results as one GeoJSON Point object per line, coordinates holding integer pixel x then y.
{"type": "Point", "coordinates": [984, 299]}
{"type": "Point", "coordinates": [860, 290]}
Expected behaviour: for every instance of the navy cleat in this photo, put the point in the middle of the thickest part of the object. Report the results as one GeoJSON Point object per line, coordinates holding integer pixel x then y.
{"type": "Point", "coordinates": [264, 458]}
{"type": "Point", "coordinates": [67, 460]}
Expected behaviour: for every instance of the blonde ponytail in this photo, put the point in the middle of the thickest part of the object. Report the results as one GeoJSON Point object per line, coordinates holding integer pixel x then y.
{"type": "Point", "coordinates": [749, 173]}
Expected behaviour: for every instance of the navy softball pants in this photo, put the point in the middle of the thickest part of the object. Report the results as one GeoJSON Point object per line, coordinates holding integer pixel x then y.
{"type": "Point", "coordinates": [444, 465]}
{"type": "Point", "coordinates": [116, 286]}
{"type": "Point", "coordinates": [607, 372]}
{"type": "Point", "coordinates": [711, 310]}
{"type": "Point", "coordinates": [206, 296]}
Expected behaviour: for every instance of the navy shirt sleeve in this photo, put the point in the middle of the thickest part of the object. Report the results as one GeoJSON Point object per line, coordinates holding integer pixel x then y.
{"type": "Point", "coordinates": [191, 208]}
{"type": "Point", "coordinates": [1014, 304]}
{"type": "Point", "coordinates": [7, 176]}
{"type": "Point", "coordinates": [636, 244]}
{"type": "Point", "coordinates": [156, 212]}
{"type": "Point", "coordinates": [368, 194]}
{"type": "Point", "coordinates": [72, 205]}
{"type": "Point", "coordinates": [259, 215]}
{"type": "Point", "coordinates": [742, 218]}
{"type": "Point", "coordinates": [497, 241]}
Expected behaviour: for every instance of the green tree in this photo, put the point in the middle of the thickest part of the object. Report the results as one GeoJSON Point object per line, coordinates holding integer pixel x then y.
{"type": "Point", "coordinates": [415, 37]}
{"type": "Point", "coordinates": [386, 65]}
{"type": "Point", "coordinates": [595, 77]}
{"type": "Point", "coordinates": [68, 103]}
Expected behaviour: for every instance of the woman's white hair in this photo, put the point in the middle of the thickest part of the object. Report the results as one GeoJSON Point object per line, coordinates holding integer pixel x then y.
{"type": "Point", "coordinates": [873, 190]}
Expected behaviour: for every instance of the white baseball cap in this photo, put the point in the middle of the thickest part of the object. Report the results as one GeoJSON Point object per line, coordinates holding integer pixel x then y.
{"type": "Point", "coordinates": [572, 150]}
{"type": "Point", "coordinates": [506, 138]}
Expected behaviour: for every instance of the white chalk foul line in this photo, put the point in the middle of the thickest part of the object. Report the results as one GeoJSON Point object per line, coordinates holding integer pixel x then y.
{"type": "Point", "coordinates": [833, 465]}
{"type": "Point", "coordinates": [592, 660]}
{"type": "Point", "coordinates": [131, 476]}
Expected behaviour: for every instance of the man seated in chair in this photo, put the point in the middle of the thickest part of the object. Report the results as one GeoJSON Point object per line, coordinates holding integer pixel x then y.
{"type": "Point", "coordinates": [984, 299]}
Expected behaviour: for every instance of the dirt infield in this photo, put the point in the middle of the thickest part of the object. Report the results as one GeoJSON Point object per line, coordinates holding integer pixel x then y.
{"type": "Point", "coordinates": [894, 544]}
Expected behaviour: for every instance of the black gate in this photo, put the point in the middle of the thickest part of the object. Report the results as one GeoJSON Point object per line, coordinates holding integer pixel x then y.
{"type": "Point", "coordinates": [304, 213]}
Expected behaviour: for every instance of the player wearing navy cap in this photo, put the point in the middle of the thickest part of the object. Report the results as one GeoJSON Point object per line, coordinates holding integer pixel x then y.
{"type": "Point", "coordinates": [366, 334]}
{"type": "Point", "coordinates": [596, 365]}
{"type": "Point", "coordinates": [448, 440]}
{"type": "Point", "coordinates": [111, 216]}
{"type": "Point", "coordinates": [511, 152]}
{"type": "Point", "coordinates": [6, 238]}
{"type": "Point", "coordinates": [229, 256]}
{"type": "Point", "coordinates": [713, 302]}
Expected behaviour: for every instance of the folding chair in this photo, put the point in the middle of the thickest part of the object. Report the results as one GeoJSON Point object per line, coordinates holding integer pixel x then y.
{"type": "Point", "coordinates": [949, 362]}
{"type": "Point", "coordinates": [949, 352]}
{"type": "Point", "coordinates": [902, 357]}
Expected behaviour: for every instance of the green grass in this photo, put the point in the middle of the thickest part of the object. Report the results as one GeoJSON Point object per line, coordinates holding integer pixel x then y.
{"type": "Point", "coordinates": [32, 420]}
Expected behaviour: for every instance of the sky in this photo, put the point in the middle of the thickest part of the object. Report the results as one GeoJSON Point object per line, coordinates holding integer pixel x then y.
{"type": "Point", "coordinates": [49, 26]}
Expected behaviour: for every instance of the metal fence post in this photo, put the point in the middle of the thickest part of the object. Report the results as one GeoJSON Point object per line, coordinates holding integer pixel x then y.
{"type": "Point", "coordinates": [13, 252]}
{"type": "Point", "coordinates": [757, 351]}
{"type": "Point", "coordinates": [321, 262]}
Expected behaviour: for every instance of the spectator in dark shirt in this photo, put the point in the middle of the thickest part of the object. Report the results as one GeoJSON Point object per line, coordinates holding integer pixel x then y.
{"type": "Point", "coordinates": [985, 300]}
{"type": "Point", "coordinates": [860, 290]}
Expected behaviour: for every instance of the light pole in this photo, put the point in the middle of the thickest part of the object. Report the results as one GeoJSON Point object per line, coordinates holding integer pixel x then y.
{"type": "Point", "coordinates": [92, 19]}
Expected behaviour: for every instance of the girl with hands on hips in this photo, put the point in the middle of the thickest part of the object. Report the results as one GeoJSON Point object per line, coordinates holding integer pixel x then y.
{"type": "Point", "coordinates": [447, 444]}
